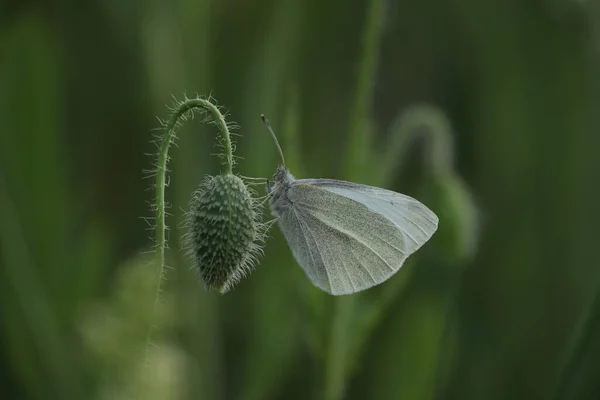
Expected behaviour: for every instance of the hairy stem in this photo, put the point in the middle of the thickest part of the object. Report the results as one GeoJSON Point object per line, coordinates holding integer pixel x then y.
{"type": "Point", "coordinates": [180, 112]}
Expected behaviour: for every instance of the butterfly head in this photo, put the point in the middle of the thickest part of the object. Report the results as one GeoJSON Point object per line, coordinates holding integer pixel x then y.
{"type": "Point", "coordinates": [280, 174]}
{"type": "Point", "coordinates": [281, 179]}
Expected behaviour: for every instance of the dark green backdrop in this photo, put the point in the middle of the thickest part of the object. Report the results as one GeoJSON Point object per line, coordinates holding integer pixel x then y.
{"type": "Point", "coordinates": [487, 111]}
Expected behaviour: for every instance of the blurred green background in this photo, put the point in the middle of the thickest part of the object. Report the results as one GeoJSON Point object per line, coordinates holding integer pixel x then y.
{"type": "Point", "coordinates": [488, 112]}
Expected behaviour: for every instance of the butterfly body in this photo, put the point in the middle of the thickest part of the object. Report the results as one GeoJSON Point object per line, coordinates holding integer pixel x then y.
{"type": "Point", "coordinates": [280, 202]}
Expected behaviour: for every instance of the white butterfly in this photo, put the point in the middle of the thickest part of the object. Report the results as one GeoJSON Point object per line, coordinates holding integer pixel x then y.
{"type": "Point", "coordinates": [347, 237]}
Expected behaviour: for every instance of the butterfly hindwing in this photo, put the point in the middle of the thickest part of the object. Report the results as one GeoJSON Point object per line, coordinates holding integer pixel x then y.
{"type": "Point", "coordinates": [342, 245]}
{"type": "Point", "coordinates": [300, 243]}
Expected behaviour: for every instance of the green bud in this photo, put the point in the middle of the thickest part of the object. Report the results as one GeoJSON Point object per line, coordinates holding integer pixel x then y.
{"type": "Point", "coordinates": [453, 203]}
{"type": "Point", "coordinates": [225, 232]}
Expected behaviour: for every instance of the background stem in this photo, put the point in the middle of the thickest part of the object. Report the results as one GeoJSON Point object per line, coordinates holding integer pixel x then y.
{"type": "Point", "coordinates": [359, 147]}
{"type": "Point", "coordinates": [359, 142]}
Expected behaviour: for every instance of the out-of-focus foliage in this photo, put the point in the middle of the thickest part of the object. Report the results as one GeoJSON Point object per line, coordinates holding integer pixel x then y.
{"type": "Point", "coordinates": [485, 111]}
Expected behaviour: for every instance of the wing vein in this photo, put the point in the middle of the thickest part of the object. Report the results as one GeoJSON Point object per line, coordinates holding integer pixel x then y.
{"type": "Point", "coordinates": [363, 266]}
{"type": "Point", "coordinates": [305, 238]}
{"type": "Point", "coordinates": [312, 209]}
{"type": "Point", "coordinates": [298, 216]}
{"type": "Point", "coordinates": [356, 239]}
{"type": "Point", "coordinates": [347, 274]}
{"type": "Point", "coordinates": [411, 221]}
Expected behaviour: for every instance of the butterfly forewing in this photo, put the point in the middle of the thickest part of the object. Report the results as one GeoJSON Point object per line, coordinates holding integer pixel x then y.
{"type": "Point", "coordinates": [342, 245]}
{"type": "Point", "coordinates": [416, 222]}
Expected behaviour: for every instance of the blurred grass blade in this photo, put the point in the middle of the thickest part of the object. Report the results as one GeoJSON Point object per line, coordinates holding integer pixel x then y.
{"type": "Point", "coordinates": [357, 156]}
{"type": "Point", "coordinates": [291, 131]}
{"type": "Point", "coordinates": [402, 363]}
{"type": "Point", "coordinates": [276, 345]}
{"type": "Point", "coordinates": [266, 82]}
{"type": "Point", "coordinates": [373, 311]}
{"type": "Point", "coordinates": [359, 140]}
{"type": "Point", "coordinates": [272, 345]}
{"type": "Point", "coordinates": [32, 152]}
{"type": "Point", "coordinates": [33, 304]}
{"type": "Point", "coordinates": [582, 361]}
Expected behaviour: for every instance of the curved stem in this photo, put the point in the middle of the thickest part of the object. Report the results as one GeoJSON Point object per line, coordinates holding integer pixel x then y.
{"type": "Point", "coordinates": [419, 121]}
{"type": "Point", "coordinates": [180, 112]}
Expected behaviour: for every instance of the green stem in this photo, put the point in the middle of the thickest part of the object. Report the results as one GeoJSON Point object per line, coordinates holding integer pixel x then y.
{"type": "Point", "coordinates": [359, 147]}
{"type": "Point", "coordinates": [419, 121]}
{"type": "Point", "coordinates": [30, 303]}
{"type": "Point", "coordinates": [339, 347]}
{"type": "Point", "coordinates": [359, 143]}
{"type": "Point", "coordinates": [180, 112]}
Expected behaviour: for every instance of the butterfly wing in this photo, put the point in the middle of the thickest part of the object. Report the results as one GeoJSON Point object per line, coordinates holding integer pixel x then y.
{"type": "Point", "coordinates": [304, 248]}
{"type": "Point", "coordinates": [343, 245]}
{"type": "Point", "coordinates": [416, 222]}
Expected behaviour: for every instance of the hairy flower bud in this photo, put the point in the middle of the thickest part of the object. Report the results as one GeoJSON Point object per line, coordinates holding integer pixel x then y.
{"type": "Point", "coordinates": [224, 231]}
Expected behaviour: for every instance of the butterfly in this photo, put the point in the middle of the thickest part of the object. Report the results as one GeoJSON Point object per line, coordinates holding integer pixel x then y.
{"type": "Point", "coordinates": [347, 237]}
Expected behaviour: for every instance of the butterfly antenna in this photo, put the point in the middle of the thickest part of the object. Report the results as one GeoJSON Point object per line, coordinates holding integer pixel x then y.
{"type": "Point", "coordinates": [268, 125]}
